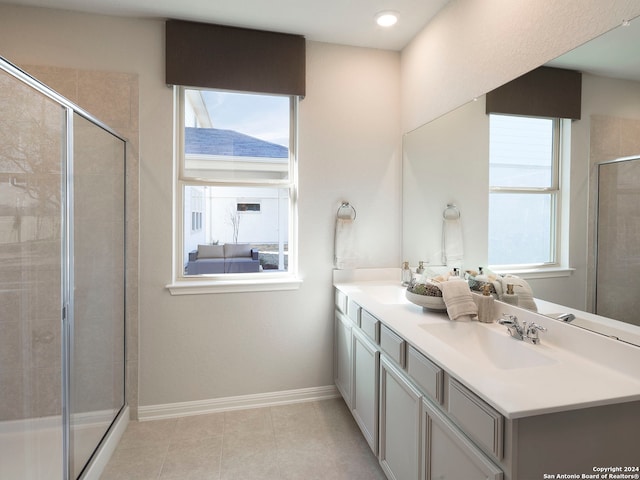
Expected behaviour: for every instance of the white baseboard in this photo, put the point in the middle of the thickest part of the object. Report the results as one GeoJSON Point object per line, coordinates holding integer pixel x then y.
{"type": "Point", "coordinates": [183, 409]}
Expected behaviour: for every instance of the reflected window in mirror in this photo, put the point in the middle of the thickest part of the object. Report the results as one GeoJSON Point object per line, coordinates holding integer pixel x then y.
{"type": "Point", "coordinates": [524, 192]}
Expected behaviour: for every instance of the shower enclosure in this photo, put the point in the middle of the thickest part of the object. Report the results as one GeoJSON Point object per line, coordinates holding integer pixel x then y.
{"type": "Point", "coordinates": [618, 240]}
{"type": "Point", "coordinates": [62, 277]}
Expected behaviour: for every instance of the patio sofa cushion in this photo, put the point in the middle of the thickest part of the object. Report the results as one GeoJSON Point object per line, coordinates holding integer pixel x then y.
{"type": "Point", "coordinates": [227, 258]}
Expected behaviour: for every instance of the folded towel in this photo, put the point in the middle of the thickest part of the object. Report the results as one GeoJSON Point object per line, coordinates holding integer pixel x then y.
{"type": "Point", "coordinates": [345, 251]}
{"type": "Point", "coordinates": [458, 299]}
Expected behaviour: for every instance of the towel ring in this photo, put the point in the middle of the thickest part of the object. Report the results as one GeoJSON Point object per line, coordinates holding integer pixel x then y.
{"type": "Point", "coordinates": [451, 212]}
{"type": "Point", "coordinates": [346, 205]}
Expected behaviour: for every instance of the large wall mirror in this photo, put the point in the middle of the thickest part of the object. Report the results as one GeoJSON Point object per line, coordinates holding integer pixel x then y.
{"type": "Point", "coordinates": [447, 162]}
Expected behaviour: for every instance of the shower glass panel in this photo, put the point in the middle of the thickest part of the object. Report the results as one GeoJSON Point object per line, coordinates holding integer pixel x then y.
{"type": "Point", "coordinates": [32, 151]}
{"type": "Point", "coordinates": [618, 245]}
{"type": "Point", "coordinates": [97, 358]}
{"type": "Point", "coordinates": [62, 282]}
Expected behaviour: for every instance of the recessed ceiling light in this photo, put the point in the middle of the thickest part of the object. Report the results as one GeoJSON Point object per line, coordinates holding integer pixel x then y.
{"type": "Point", "coordinates": [387, 18]}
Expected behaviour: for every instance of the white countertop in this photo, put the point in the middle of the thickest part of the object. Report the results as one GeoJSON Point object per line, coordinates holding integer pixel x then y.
{"type": "Point", "coordinates": [570, 369]}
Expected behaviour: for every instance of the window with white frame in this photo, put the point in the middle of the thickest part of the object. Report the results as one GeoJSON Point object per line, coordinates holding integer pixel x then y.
{"type": "Point", "coordinates": [236, 155]}
{"type": "Point", "coordinates": [524, 192]}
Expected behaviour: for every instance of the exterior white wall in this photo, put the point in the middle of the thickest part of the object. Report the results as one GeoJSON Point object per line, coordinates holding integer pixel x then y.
{"type": "Point", "coordinates": [193, 238]}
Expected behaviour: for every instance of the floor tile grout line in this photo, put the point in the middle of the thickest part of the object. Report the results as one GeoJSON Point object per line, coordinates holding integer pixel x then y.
{"type": "Point", "coordinates": [164, 458]}
{"type": "Point", "coordinates": [225, 438]}
{"type": "Point", "coordinates": [272, 425]}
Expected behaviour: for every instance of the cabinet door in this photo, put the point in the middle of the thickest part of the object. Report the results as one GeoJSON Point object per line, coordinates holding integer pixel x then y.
{"type": "Point", "coordinates": [400, 411]}
{"type": "Point", "coordinates": [342, 356]}
{"type": "Point", "coordinates": [365, 383]}
{"type": "Point", "coordinates": [449, 454]}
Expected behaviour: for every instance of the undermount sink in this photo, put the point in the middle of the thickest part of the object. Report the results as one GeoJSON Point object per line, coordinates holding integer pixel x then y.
{"type": "Point", "coordinates": [479, 342]}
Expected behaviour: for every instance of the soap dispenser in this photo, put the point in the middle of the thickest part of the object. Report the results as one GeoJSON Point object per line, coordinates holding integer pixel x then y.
{"type": "Point", "coordinates": [420, 269]}
{"type": "Point", "coordinates": [407, 276]}
{"type": "Point", "coordinates": [510, 297]}
{"type": "Point", "coordinates": [485, 305]}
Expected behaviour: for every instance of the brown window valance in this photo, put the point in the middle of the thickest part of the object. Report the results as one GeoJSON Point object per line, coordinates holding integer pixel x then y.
{"type": "Point", "coordinates": [543, 92]}
{"type": "Point", "coordinates": [214, 56]}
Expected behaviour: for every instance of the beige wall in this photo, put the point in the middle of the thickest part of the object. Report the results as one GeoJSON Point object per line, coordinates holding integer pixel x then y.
{"type": "Point", "coordinates": [474, 46]}
{"type": "Point", "coordinates": [212, 346]}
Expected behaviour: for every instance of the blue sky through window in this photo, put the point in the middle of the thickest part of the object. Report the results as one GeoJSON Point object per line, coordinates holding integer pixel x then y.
{"type": "Point", "coordinates": [261, 116]}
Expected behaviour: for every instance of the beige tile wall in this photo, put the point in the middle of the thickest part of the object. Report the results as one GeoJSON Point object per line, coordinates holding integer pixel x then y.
{"type": "Point", "coordinates": [610, 138]}
{"type": "Point", "coordinates": [32, 351]}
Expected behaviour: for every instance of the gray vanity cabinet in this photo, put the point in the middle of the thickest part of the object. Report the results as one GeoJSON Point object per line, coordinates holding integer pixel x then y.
{"type": "Point", "coordinates": [342, 355]}
{"type": "Point", "coordinates": [365, 387]}
{"type": "Point", "coordinates": [448, 453]}
{"type": "Point", "coordinates": [431, 425]}
{"type": "Point", "coordinates": [400, 420]}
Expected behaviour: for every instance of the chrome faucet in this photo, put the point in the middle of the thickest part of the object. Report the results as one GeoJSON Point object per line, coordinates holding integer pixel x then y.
{"type": "Point", "coordinates": [522, 331]}
{"type": "Point", "coordinates": [513, 325]}
{"type": "Point", "coordinates": [566, 317]}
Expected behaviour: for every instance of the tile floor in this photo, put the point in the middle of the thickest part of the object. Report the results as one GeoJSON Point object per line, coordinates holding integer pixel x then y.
{"type": "Point", "coordinates": [304, 441]}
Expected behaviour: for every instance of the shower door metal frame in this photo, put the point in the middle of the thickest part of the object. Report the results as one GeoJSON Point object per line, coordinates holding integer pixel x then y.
{"type": "Point", "coordinates": [67, 316]}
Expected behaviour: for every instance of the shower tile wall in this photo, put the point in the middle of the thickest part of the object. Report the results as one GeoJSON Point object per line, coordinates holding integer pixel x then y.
{"type": "Point", "coordinates": [112, 97]}
{"type": "Point", "coordinates": [31, 137]}
{"type": "Point", "coordinates": [610, 138]}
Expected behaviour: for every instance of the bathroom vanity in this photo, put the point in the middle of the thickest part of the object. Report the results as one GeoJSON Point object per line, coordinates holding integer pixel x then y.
{"type": "Point", "coordinates": [437, 399]}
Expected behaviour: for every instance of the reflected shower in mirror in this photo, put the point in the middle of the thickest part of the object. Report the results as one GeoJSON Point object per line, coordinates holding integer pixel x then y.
{"type": "Point", "coordinates": [446, 161]}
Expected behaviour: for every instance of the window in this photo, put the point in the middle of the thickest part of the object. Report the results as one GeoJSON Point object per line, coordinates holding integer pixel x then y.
{"type": "Point", "coordinates": [248, 207]}
{"type": "Point", "coordinates": [236, 185]}
{"type": "Point", "coordinates": [524, 198]}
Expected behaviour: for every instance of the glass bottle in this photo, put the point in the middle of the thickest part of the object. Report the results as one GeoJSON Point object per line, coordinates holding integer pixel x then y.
{"type": "Point", "coordinates": [406, 274]}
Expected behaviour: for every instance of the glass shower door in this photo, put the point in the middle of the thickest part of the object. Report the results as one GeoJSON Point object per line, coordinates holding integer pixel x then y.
{"type": "Point", "coordinates": [32, 152]}
{"type": "Point", "coordinates": [618, 245]}
{"type": "Point", "coordinates": [97, 375]}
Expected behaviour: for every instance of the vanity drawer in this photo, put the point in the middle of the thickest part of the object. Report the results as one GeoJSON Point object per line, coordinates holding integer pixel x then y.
{"type": "Point", "coordinates": [341, 300]}
{"type": "Point", "coordinates": [353, 311]}
{"type": "Point", "coordinates": [393, 345]}
{"type": "Point", "coordinates": [427, 375]}
{"type": "Point", "coordinates": [370, 325]}
{"type": "Point", "coordinates": [479, 420]}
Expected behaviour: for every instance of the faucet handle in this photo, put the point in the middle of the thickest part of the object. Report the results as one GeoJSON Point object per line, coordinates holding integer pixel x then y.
{"type": "Point", "coordinates": [508, 319]}
{"type": "Point", "coordinates": [532, 332]}
{"type": "Point", "coordinates": [536, 327]}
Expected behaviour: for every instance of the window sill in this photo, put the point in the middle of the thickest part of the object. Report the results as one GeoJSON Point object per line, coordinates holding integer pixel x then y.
{"type": "Point", "coordinates": [206, 286]}
{"type": "Point", "coordinates": [538, 273]}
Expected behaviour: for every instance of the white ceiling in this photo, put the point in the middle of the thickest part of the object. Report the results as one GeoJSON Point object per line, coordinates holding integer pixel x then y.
{"type": "Point", "coordinates": [350, 22]}
{"type": "Point", "coordinates": [347, 22]}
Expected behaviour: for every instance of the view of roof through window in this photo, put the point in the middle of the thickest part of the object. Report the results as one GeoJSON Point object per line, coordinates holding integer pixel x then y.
{"type": "Point", "coordinates": [252, 120]}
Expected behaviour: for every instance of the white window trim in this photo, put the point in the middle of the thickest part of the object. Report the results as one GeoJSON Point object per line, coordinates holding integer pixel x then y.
{"type": "Point", "coordinates": [536, 272]}
{"type": "Point", "coordinates": [560, 266]}
{"type": "Point", "coordinates": [229, 283]}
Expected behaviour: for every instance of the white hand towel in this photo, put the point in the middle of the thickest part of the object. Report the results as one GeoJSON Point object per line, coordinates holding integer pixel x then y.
{"type": "Point", "coordinates": [344, 253]}
{"type": "Point", "coordinates": [452, 251]}
{"type": "Point", "coordinates": [458, 299]}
